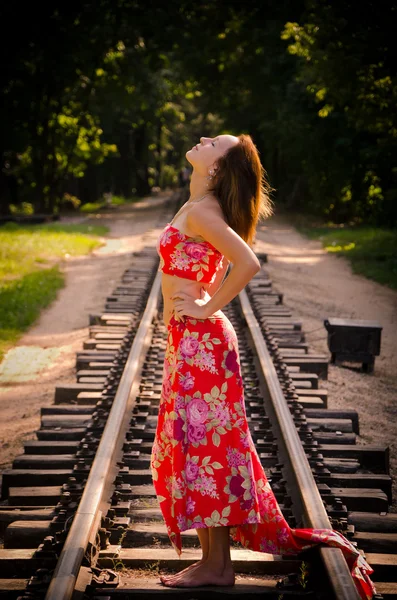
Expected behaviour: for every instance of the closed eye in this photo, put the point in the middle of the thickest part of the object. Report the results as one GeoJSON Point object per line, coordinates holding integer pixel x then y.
{"type": "Point", "coordinates": [213, 143]}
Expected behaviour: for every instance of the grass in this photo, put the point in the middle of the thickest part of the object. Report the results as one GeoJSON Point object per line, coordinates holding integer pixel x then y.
{"type": "Point", "coordinates": [372, 251]}
{"type": "Point", "coordinates": [29, 274]}
{"type": "Point", "coordinates": [92, 207]}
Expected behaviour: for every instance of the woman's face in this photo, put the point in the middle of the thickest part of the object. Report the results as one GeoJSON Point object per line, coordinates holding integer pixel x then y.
{"type": "Point", "coordinates": [204, 155]}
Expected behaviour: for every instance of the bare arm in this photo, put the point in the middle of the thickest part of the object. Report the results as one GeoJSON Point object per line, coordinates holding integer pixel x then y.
{"type": "Point", "coordinates": [210, 225]}
{"type": "Point", "coordinates": [219, 277]}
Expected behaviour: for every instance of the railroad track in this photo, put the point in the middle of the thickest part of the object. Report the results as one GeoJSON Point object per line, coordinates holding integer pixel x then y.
{"type": "Point", "coordinates": [80, 516]}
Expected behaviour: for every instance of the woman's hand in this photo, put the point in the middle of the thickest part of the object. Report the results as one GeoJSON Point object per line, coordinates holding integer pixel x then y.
{"type": "Point", "coordinates": [191, 307]}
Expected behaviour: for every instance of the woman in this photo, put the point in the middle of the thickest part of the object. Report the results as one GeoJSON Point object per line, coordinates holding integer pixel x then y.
{"type": "Point", "coordinates": [206, 471]}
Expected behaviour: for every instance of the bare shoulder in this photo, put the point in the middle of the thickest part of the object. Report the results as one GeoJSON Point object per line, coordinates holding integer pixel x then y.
{"type": "Point", "coordinates": [206, 220]}
{"type": "Point", "coordinates": [205, 212]}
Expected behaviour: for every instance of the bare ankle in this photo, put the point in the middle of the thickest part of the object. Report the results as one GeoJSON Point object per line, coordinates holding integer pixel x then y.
{"type": "Point", "coordinates": [220, 565]}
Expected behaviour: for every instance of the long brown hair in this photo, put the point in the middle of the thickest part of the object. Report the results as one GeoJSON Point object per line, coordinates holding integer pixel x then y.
{"type": "Point", "coordinates": [242, 189]}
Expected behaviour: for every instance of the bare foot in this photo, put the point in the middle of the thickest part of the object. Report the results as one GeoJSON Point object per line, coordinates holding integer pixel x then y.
{"type": "Point", "coordinates": [204, 575]}
{"type": "Point", "coordinates": [174, 576]}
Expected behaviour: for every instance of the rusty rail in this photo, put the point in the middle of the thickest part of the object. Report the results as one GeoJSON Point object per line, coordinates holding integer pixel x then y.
{"type": "Point", "coordinates": [85, 522]}
{"type": "Point", "coordinates": [298, 471]}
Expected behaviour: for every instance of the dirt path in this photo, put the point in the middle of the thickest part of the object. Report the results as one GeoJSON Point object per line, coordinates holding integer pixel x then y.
{"type": "Point", "coordinates": [45, 355]}
{"type": "Point", "coordinates": [317, 285]}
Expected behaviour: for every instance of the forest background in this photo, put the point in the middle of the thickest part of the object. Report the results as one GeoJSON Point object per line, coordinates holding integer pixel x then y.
{"type": "Point", "coordinates": [106, 97]}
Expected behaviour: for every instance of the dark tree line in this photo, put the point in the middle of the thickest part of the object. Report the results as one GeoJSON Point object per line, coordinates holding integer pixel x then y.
{"type": "Point", "coordinates": [108, 96]}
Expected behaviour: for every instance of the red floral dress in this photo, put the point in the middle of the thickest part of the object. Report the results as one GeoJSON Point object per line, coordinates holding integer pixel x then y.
{"type": "Point", "coordinates": [205, 467]}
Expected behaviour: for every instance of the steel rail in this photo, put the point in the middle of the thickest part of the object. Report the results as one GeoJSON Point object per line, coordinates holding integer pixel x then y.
{"type": "Point", "coordinates": [94, 501]}
{"type": "Point", "coordinates": [299, 475]}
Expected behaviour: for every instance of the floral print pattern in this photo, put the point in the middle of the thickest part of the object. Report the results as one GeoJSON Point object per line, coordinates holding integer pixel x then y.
{"type": "Point", "coordinates": [187, 257]}
{"type": "Point", "coordinates": [205, 468]}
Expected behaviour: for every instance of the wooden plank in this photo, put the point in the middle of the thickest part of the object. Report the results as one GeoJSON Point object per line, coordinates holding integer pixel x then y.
{"type": "Point", "coordinates": [246, 585]}
{"type": "Point", "coordinates": [66, 421]}
{"type": "Point", "coordinates": [328, 413]}
{"type": "Point", "coordinates": [363, 521]}
{"type": "Point", "coordinates": [40, 447]}
{"type": "Point", "coordinates": [360, 499]}
{"type": "Point", "coordinates": [306, 364]}
{"type": "Point", "coordinates": [33, 477]}
{"type": "Point", "coordinates": [22, 563]}
{"type": "Point", "coordinates": [26, 534]}
{"type": "Point", "coordinates": [70, 391]}
{"type": "Point", "coordinates": [61, 434]}
{"type": "Point", "coordinates": [44, 461]}
{"type": "Point", "coordinates": [316, 392]}
{"type": "Point", "coordinates": [370, 456]}
{"type": "Point", "coordinates": [384, 566]}
{"type": "Point", "coordinates": [357, 480]}
{"type": "Point", "coordinates": [34, 496]}
{"type": "Point", "coordinates": [385, 543]}
{"type": "Point", "coordinates": [244, 561]}
{"type": "Point", "coordinates": [67, 409]}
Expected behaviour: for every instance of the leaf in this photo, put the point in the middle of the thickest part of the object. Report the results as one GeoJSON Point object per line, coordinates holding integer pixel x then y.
{"type": "Point", "coordinates": [161, 498]}
{"type": "Point", "coordinates": [215, 516]}
{"type": "Point", "coordinates": [173, 415]}
{"type": "Point", "coordinates": [200, 276]}
{"type": "Point", "coordinates": [155, 475]}
{"type": "Point", "coordinates": [209, 346]}
{"type": "Point", "coordinates": [195, 267]}
{"type": "Point", "coordinates": [224, 387]}
{"type": "Point", "coordinates": [195, 459]}
{"type": "Point", "coordinates": [216, 440]}
{"type": "Point", "coordinates": [156, 464]}
{"type": "Point", "coordinates": [217, 465]}
{"type": "Point", "coordinates": [226, 511]}
{"type": "Point", "coordinates": [205, 337]}
{"type": "Point", "coordinates": [221, 430]}
{"type": "Point", "coordinates": [208, 522]}
{"type": "Point", "coordinates": [209, 470]}
{"type": "Point", "coordinates": [215, 391]}
{"type": "Point", "coordinates": [206, 460]}
{"type": "Point", "coordinates": [216, 341]}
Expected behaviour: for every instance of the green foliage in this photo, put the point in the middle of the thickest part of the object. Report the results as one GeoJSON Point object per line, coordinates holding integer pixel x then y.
{"type": "Point", "coordinates": [29, 279]}
{"type": "Point", "coordinates": [92, 207]}
{"type": "Point", "coordinates": [25, 248]}
{"type": "Point", "coordinates": [371, 251]}
{"type": "Point", "coordinates": [21, 301]}
{"type": "Point", "coordinates": [120, 200]}
{"type": "Point", "coordinates": [109, 100]}
{"type": "Point", "coordinates": [25, 208]}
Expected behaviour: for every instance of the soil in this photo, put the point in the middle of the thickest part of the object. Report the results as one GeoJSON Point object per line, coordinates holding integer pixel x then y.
{"type": "Point", "coordinates": [316, 285]}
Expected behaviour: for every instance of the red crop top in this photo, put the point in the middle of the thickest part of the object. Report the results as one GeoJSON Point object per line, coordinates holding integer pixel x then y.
{"type": "Point", "coordinates": [187, 257]}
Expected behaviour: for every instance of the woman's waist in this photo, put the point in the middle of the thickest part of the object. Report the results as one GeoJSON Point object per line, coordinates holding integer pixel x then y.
{"type": "Point", "coordinates": [171, 285]}
{"type": "Point", "coordinates": [215, 322]}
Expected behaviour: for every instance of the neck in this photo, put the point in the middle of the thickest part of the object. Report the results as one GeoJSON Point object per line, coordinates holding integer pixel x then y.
{"type": "Point", "coordinates": [198, 185]}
